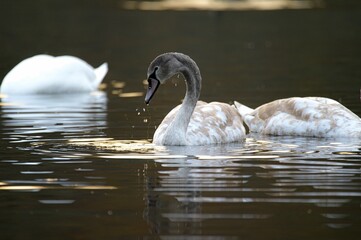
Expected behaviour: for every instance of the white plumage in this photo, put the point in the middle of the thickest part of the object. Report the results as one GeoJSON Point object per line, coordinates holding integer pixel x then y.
{"type": "Point", "coordinates": [193, 122]}
{"type": "Point", "coordinates": [307, 116]}
{"type": "Point", "coordinates": [45, 74]}
{"type": "Point", "coordinates": [210, 123]}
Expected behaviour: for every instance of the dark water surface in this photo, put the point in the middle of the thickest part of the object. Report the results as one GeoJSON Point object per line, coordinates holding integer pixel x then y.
{"type": "Point", "coordinates": [83, 167]}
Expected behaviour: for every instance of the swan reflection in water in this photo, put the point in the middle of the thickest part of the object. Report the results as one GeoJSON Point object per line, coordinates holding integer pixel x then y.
{"type": "Point", "coordinates": [261, 180]}
{"type": "Point", "coordinates": [36, 116]}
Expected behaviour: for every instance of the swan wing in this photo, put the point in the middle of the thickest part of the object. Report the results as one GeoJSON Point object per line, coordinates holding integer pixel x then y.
{"type": "Point", "coordinates": [310, 116]}
{"type": "Point", "coordinates": [210, 123]}
{"type": "Point", "coordinates": [215, 122]}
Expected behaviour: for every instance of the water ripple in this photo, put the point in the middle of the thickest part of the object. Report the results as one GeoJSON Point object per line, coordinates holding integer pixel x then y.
{"type": "Point", "coordinates": [65, 157]}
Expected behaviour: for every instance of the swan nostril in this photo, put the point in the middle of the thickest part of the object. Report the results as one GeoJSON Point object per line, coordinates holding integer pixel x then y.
{"type": "Point", "coordinates": [149, 84]}
{"type": "Point", "coordinates": [153, 85]}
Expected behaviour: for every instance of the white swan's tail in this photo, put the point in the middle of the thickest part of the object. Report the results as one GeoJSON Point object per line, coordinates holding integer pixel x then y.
{"type": "Point", "coordinates": [100, 73]}
{"type": "Point", "coordinates": [242, 109]}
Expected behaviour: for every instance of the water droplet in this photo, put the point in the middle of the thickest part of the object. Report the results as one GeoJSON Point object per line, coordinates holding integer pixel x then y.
{"type": "Point", "coordinates": [145, 120]}
{"type": "Point", "coordinates": [143, 109]}
{"type": "Point", "coordinates": [138, 113]}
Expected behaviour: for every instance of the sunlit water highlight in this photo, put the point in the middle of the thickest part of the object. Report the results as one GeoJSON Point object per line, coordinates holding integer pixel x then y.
{"type": "Point", "coordinates": [216, 5]}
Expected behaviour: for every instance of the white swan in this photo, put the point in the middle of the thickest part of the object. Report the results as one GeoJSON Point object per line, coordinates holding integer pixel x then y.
{"type": "Point", "coordinates": [193, 122]}
{"type": "Point", "coordinates": [307, 116]}
{"type": "Point", "coordinates": [42, 74]}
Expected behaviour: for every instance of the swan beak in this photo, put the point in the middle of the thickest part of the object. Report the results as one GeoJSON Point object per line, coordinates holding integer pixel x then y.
{"type": "Point", "coordinates": [153, 85]}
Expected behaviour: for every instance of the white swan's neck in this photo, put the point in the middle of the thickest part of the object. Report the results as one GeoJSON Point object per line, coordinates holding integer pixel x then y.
{"type": "Point", "coordinates": [176, 132]}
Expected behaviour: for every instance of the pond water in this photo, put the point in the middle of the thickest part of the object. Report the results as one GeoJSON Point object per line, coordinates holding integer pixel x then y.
{"type": "Point", "coordinates": [83, 166]}
{"type": "Point", "coordinates": [64, 175]}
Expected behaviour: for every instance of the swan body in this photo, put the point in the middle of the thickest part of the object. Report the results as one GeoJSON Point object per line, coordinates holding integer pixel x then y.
{"type": "Point", "coordinates": [193, 122]}
{"type": "Point", "coordinates": [45, 74]}
{"type": "Point", "coordinates": [307, 116]}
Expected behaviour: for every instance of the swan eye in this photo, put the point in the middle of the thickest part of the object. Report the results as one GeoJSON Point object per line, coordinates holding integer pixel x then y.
{"type": "Point", "coordinates": [153, 75]}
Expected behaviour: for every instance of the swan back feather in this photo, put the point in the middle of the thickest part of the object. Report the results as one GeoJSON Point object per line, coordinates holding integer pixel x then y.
{"type": "Point", "coordinates": [211, 123]}
{"type": "Point", "coordinates": [308, 116]}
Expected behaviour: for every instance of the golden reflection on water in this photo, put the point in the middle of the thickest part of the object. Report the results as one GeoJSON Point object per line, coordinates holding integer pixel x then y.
{"type": "Point", "coordinates": [133, 146]}
{"type": "Point", "coordinates": [252, 149]}
{"type": "Point", "coordinates": [22, 188]}
{"type": "Point", "coordinates": [217, 5]}
{"type": "Point", "coordinates": [102, 86]}
{"type": "Point", "coordinates": [36, 187]}
{"type": "Point", "coordinates": [118, 90]}
{"type": "Point", "coordinates": [131, 94]}
{"type": "Point", "coordinates": [8, 104]}
{"type": "Point", "coordinates": [118, 85]}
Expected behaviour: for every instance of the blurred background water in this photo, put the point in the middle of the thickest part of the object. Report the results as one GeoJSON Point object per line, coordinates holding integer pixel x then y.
{"type": "Point", "coordinates": [82, 166]}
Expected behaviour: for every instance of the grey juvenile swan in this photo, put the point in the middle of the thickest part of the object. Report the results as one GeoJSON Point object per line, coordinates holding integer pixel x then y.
{"type": "Point", "coordinates": [193, 122]}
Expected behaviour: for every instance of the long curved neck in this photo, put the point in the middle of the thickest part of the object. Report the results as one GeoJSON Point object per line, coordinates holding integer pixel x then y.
{"type": "Point", "coordinates": [193, 79]}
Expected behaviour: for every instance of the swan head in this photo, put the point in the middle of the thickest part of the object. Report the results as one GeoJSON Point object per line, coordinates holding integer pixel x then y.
{"type": "Point", "coordinates": [163, 68]}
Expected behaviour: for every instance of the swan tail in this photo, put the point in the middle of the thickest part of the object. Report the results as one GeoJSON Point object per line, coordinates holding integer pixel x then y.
{"type": "Point", "coordinates": [242, 109]}
{"type": "Point", "coordinates": [100, 73]}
